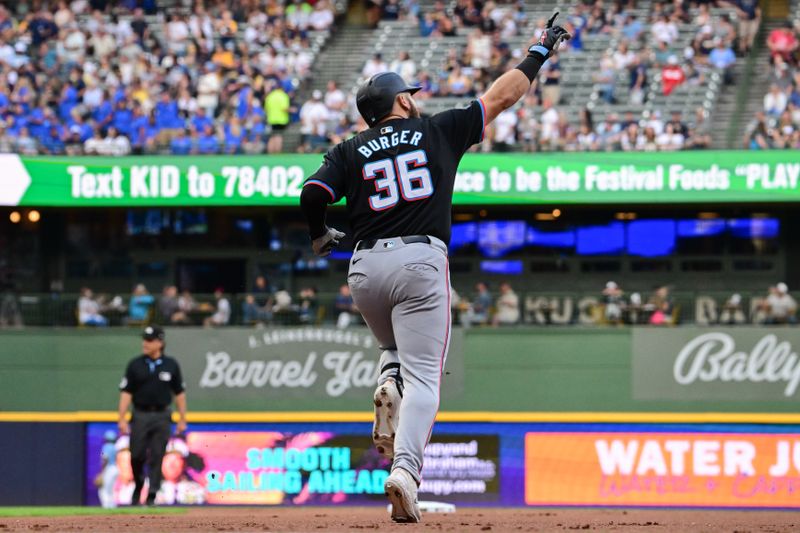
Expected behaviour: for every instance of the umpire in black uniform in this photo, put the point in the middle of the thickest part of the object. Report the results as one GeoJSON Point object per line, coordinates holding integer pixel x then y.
{"type": "Point", "coordinates": [150, 381]}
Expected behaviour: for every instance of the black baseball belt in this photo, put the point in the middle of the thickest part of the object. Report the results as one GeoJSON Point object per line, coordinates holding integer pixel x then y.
{"type": "Point", "coordinates": [151, 408]}
{"type": "Point", "coordinates": [368, 244]}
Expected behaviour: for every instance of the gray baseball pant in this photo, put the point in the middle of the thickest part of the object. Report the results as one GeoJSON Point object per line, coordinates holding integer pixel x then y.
{"type": "Point", "coordinates": [403, 292]}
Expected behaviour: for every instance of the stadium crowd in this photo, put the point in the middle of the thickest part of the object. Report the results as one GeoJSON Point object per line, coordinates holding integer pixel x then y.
{"type": "Point", "coordinates": [107, 78]}
{"type": "Point", "coordinates": [777, 125]}
{"type": "Point", "coordinates": [117, 78]}
{"type": "Point", "coordinates": [647, 49]}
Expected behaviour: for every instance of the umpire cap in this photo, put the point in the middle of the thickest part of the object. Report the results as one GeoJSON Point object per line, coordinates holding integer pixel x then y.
{"type": "Point", "coordinates": [152, 333]}
{"type": "Point", "coordinates": [375, 97]}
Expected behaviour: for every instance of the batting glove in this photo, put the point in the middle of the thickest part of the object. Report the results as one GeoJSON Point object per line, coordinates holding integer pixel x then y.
{"type": "Point", "coordinates": [324, 245]}
{"type": "Point", "coordinates": [550, 39]}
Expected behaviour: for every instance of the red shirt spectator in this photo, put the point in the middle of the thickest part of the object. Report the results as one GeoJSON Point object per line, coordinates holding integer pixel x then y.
{"type": "Point", "coordinates": [783, 41]}
{"type": "Point", "coordinates": [672, 75]}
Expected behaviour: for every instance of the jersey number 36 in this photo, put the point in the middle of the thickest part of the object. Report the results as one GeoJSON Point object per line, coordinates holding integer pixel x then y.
{"type": "Point", "coordinates": [404, 176]}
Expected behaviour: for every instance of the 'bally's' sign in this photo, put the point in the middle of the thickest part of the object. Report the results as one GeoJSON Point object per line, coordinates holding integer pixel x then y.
{"type": "Point", "coordinates": [735, 364]}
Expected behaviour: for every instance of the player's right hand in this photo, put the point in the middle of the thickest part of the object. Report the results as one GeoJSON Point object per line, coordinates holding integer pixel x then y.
{"type": "Point", "coordinates": [324, 245]}
{"type": "Point", "coordinates": [123, 427]}
{"type": "Point", "coordinates": [550, 39]}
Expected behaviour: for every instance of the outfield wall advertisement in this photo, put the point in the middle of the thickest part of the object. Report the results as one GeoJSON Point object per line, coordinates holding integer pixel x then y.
{"type": "Point", "coordinates": [662, 469]}
{"type": "Point", "coordinates": [542, 178]}
{"type": "Point", "coordinates": [503, 464]}
{"type": "Point", "coordinates": [293, 465]}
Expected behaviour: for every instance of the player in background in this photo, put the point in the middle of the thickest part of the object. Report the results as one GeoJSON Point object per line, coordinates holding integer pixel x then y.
{"type": "Point", "coordinates": [398, 178]}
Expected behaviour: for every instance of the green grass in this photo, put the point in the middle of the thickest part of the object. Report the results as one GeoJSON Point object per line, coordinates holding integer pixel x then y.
{"type": "Point", "coordinates": [6, 512]}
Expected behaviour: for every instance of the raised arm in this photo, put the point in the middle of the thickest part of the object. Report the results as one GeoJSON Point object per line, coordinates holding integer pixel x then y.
{"type": "Point", "coordinates": [511, 86]}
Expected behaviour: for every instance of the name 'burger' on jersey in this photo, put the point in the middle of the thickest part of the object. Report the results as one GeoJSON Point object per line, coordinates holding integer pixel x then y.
{"type": "Point", "coordinates": [398, 176]}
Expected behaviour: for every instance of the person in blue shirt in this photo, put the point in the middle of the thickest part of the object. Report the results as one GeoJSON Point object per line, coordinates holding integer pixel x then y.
{"type": "Point", "coordinates": [36, 125]}
{"type": "Point", "coordinates": [53, 142]}
{"type": "Point", "coordinates": [69, 99]}
{"type": "Point", "coordinates": [244, 100]}
{"type": "Point", "coordinates": [140, 304]}
{"type": "Point", "coordinates": [167, 113]}
{"type": "Point", "coordinates": [200, 120]}
{"type": "Point", "coordinates": [138, 125]}
{"type": "Point", "coordinates": [181, 144]}
{"type": "Point", "coordinates": [256, 136]}
{"type": "Point", "coordinates": [104, 113]}
{"type": "Point", "coordinates": [207, 142]}
{"type": "Point", "coordinates": [723, 58]}
{"type": "Point", "coordinates": [633, 28]}
{"type": "Point", "coordinates": [123, 118]}
{"type": "Point", "coordinates": [234, 136]}
{"type": "Point", "coordinates": [109, 471]}
{"type": "Point", "coordinates": [151, 132]}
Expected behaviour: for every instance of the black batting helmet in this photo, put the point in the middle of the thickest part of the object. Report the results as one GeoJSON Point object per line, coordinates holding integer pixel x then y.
{"type": "Point", "coordinates": [375, 97]}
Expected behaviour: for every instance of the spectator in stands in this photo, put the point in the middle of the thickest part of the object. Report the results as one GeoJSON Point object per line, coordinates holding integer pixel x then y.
{"type": "Point", "coordinates": [608, 132]}
{"type": "Point", "coordinates": [723, 58]}
{"type": "Point", "coordinates": [550, 78]}
{"type": "Point", "coordinates": [321, 17]}
{"type": "Point", "coordinates": [732, 311]}
{"type": "Point", "coordinates": [756, 136]}
{"type": "Point", "coordinates": [504, 131]}
{"type": "Point", "coordinates": [252, 313]}
{"type": "Point", "coordinates": [374, 65]}
{"type": "Point", "coordinates": [314, 117]}
{"type": "Point", "coordinates": [89, 309]}
{"type": "Point", "coordinates": [277, 106]}
{"type": "Point", "coordinates": [26, 144]}
{"type": "Point", "coordinates": [507, 306]}
{"type": "Point", "coordinates": [664, 30]}
{"type": "Point", "coordinates": [140, 304]}
{"type": "Point", "coordinates": [677, 123]}
{"type": "Point", "coordinates": [638, 80]}
{"type": "Point", "coordinates": [749, 16]}
{"type": "Point", "coordinates": [186, 302]}
{"type": "Point", "coordinates": [116, 144]}
{"type": "Point", "coordinates": [669, 139]}
{"type": "Point", "coordinates": [335, 99]}
{"type": "Point", "coordinates": [632, 139]}
{"type": "Point", "coordinates": [783, 42]}
{"type": "Point", "coordinates": [480, 310]}
{"type": "Point", "coordinates": [780, 307]}
{"type": "Point", "coordinates": [633, 28]}
{"type": "Point", "coordinates": [613, 303]}
{"type": "Point", "coordinates": [181, 144]}
{"type": "Point", "coordinates": [309, 305]}
{"type": "Point", "coordinates": [222, 311]}
{"type": "Point", "coordinates": [528, 129]}
{"type": "Point", "coordinates": [672, 76]}
{"type": "Point", "coordinates": [700, 135]}
{"type": "Point", "coordinates": [775, 101]}
{"type": "Point", "coordinates": [169, 307]}
{"type": "Point", "coordinates": [662, 305]}
{"type": "Point", "coordinates": [345, 307]}
{"type": "Point", "coordinates": [458, 83]}
{"type": "Point", "coordinates": [623, 56]}
{"type": "Point", "coordinates": [549, 121]}
{"type": "Point", "coordinates": [404, 66]}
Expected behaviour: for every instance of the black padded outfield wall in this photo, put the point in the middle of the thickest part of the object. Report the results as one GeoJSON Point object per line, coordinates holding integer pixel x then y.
{"type": "Point", "coordinates": [41, 463]}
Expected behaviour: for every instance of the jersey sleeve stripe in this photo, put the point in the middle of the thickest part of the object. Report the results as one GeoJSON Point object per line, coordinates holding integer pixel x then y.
{"type": "Point", "coordinates": [483, 118]}
{"type": "Point", "coordinates": [324, 186]}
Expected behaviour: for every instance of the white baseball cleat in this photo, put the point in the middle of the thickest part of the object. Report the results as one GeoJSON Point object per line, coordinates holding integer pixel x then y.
{"type": "Point", "coordinates": [401, 489]}
{"type": "Point", "coordinates": [387, 413]}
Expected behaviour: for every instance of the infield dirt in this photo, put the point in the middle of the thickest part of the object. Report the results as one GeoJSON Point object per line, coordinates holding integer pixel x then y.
{"type": "Point", "coordinates": [339, 519]}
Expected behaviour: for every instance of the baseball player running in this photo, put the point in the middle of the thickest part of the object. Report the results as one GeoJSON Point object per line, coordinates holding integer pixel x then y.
{"type": "Point", "coordinates": [398, 179]}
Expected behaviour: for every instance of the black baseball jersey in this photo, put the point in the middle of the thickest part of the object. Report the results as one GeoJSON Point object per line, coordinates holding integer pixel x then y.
{"type": "Point", "coordinates": [398, 176]}
{"type": "Point", "coordinates": [152, 382]}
